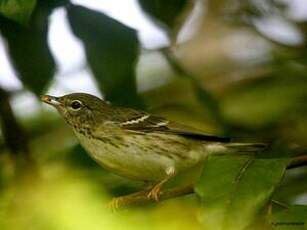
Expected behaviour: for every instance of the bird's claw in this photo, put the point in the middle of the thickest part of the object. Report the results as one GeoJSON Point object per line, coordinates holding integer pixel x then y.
{"type": "Point", "coordinates": [116, 203]}
{"type": "Point", "coordinates": [154, 193]}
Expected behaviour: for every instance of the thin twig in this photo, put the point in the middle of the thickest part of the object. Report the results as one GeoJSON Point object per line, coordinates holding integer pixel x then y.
{"type": "Point", "coordinates": [281, 204]}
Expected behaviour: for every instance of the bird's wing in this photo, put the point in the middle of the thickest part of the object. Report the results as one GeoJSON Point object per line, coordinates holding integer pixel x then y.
{"type": "Point", "coordinates": [142, 122]}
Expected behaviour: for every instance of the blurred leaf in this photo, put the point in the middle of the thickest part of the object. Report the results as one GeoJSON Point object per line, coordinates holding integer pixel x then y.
{"type": "Point", "coordinates": [293, 217]}
{"type": "Point", "coordinates": [79, 159]}
{"type": "Point", "coordinates": [233, 190]}
{"type": "Point", "coordinates": [112, 51]}
{"type": "Point", "coordinates": [166, 13]}
{"type": "Point", "coordinates": [28, 49]}
{"type": "Point", "coordinates": [204, 96]}
{"type": "Point", "coordinates": [266, 101]}
{"type": "Point", "coordinates": [17, 10]}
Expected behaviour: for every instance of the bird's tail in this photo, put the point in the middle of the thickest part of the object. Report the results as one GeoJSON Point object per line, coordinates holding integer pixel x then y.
{"type": "Point", "coordinates": [234, 148]}
{"type": "Point", "coordinates": [246, 147]}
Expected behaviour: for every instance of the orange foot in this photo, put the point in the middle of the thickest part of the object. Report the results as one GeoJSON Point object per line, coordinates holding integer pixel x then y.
{"type": "Point", "coordinates": [155, 192]}
{"type": "Point", "coordinates": [116, 203]}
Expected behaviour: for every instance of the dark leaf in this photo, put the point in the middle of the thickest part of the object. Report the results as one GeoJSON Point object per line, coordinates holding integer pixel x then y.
{"type": "Point", "coordinates": [112, 51]}
{"type": "Point", "coordinates": [293, 217]}
{"type": "Point", "coordinates": [233, 190]}
{"type": "Point", "coordinates": [13, 134]}
{"type": "Point", "coordinates": [18, 10]}
{"type": "Point", "coordinates": [166, 13]}
{"type": "Point", "coordinates": [28, 49]}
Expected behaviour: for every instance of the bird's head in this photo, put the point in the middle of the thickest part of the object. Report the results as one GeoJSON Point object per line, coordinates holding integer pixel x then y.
{"type": "Point", "coordinates": [79, 108]}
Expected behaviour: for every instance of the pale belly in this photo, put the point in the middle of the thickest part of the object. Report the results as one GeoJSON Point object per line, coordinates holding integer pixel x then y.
{"type": "Point", "coordinates": [130, 158]}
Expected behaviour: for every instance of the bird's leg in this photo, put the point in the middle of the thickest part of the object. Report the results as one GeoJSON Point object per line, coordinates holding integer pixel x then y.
{"type": "Point", "coordinates": [152, 193]}
{"type": "Point", "coordinates": [155, 191]}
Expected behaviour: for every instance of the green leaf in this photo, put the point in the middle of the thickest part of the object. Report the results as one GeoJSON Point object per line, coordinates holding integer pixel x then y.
{"type": "Point", "coordinates": [293, 217]}
{"type": "Point", "coordinates": [18, 10]}
{"type": "Point", "coordinates": [234, 189]}
{"type": "Point", "coordinates": [29, 51]}
{"type": "Point", "coordinates": [112, 51]}
{"type": "Point", "coordinates": [265, 102]}
{"type": "Point", "coordinates": [165, 13]}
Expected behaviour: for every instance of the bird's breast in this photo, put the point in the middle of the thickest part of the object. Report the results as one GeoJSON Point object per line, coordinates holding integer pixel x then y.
{"type": "Point", "coordinates": [141, 157]}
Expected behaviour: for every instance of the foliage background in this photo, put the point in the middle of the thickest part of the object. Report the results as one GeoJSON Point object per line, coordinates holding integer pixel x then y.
{"type": "Point", "coordinates": [234, 77]}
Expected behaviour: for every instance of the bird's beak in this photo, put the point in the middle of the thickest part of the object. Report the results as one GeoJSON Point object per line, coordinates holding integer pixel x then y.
{"type": "Point", "coordinates": [54, 101]}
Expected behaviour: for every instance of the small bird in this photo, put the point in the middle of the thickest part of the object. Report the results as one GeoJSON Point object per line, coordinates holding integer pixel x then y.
{"type": "Point", "coordinates": [137, 145]}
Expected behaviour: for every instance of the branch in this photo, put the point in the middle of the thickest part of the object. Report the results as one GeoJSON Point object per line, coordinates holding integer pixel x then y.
{"type": "Point", "coordinates": [141, 197]}
{"type": "Point", "coordinates": [173, 62]}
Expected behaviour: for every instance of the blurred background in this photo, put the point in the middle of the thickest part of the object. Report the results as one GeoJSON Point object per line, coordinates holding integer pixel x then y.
{"type": "Point", "coordinates": [229, 67]}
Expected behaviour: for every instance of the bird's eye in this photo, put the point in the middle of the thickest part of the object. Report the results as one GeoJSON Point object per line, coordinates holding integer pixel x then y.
{"type": "Point", "coordinates": [76, 105]}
